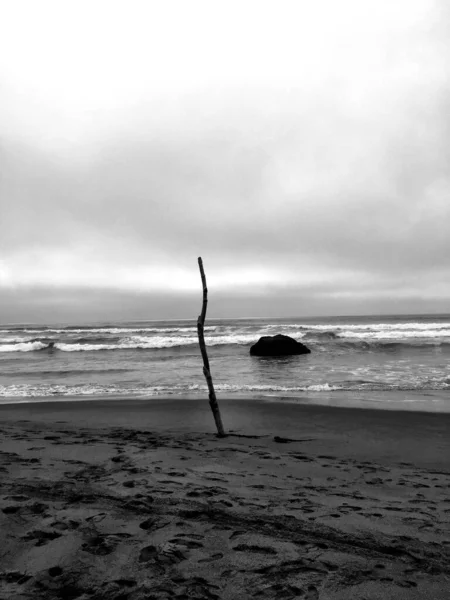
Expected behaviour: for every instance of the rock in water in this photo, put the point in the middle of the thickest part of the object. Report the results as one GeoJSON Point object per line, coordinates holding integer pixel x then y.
{"type": "Point", "coordinates": [278, 345]}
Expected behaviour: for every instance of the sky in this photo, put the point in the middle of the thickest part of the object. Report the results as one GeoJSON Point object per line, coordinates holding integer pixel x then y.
{"type": "Point", "coordinates": [301, 148]}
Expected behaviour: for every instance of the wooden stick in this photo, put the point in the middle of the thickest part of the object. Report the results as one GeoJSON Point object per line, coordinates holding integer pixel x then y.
{"type": "Point", "coordinates": [206, 369]}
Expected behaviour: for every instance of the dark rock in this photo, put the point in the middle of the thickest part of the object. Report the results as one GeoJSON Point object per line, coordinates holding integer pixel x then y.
{"type": "Point", "coordinates": [278, 345]}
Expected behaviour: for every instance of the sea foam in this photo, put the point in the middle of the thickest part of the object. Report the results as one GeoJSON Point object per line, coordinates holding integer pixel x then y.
{"type": "Point", "coordinates": [23, 347]}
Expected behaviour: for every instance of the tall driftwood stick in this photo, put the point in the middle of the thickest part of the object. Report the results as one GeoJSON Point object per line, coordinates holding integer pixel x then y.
{"type": "Point", "coordinates": [206, 370]}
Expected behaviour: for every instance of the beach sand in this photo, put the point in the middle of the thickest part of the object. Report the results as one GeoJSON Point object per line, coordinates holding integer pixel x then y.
{"type": "Point", "coordinates": [134, 500]}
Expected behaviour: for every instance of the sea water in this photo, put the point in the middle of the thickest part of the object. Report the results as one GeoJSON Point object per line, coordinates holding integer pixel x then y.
{"type": "Point", "coordinates": [385, 361]}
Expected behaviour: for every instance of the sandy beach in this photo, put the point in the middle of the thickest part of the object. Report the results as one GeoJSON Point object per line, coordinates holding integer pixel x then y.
{"type": "Point", "coordinates": [135, 500]}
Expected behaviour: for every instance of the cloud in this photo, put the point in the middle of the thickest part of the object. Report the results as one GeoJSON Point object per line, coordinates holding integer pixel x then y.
{"type": "Point", "coordinates": [312, 164]}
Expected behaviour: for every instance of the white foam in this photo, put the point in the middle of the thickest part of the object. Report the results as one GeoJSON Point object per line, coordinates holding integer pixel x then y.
{"type": "Point", "coordinates": [37, 391]}
{"type": "Point", "coordinates": [48, 390]}
{"type": "Point", "coordinates": [23, 347]}
{"type": "Point", "coordinates": [132, 343]}
{"type": "Point", "coordinates": [129, 344]}
{"type": "Point", "coordinates": [226, 387]}
{"type": "Point", "coordinates": [155, 342]}
{"type": "Point", "coordinates": [108, 330]}
{"type": "Point", "coordinates": [323, 387]}
{"type": "Point", "coordinates": [396, 334]}
{"type": "Point", "coordinates": [365, 329]}
{"type": "Point", "coordinates": [14, 340]}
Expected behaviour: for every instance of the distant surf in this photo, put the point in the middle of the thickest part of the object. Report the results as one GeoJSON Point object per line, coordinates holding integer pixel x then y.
{"type": "Point", "coordinates": [374, 336]}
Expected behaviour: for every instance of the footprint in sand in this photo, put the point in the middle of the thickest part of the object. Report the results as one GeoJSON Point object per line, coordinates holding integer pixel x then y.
{"type": "Point", "coordinates": [17, 498]}
{"type": "Point", "coordinates": [285, 591]}
{"type": "Point", "coordinates": [125, 583]}
{"type": "Point", "coordinates": [114, 590]}
{"type": "Point", "coordinates": [191, 544]}
{"type": "Point", "coordinates": [171, 482]}
{"type": "Point", "coordinates": [254, 549]}
{"type": "Point", "coordinates": [225, 503]}
{"type": "Point", "coordinates": [194, 587]}
{"type": "Point", "coordinates": [96, 518]}
{"type": "Point", "coordinates": [37, 508]}
{"type": "Point", "coordinates": [193, 536]}
{"type": "Point", "coordinates": [148, 553]}
{"type": "Point", "coordinates": [302, 457]}
{"type": "Point", "coordinates": [208, 492]}
{"type": "Point", "coordinates": [212, 558]}
{"type": "Point", "coordinates": [312, 593]}
{"type": "Point", "coordinates": [406, 583]}
{"type": "Point", "coordinates": [153, 524]}
{"type": "Point", "coordinates": [11, 510]}
{"type": "Point", "coordinates": [280, 591]}
{"type": "Point", "coordinates": [167, 553]}
{"type": "Point", "coordinates": [237, 533]}
{"type": "Point", "coordinates": [104, 544]}
{"type": "Point", "coordinates": [14, 577]}
{"type": "Point", "coordinates": [41, 537]}
{"type": "Point", "coordinates": [11, 583]}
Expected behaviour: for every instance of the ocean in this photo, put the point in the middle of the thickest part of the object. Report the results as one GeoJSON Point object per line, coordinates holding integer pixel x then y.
{"type": "Point", "coordinates": [385, 361]}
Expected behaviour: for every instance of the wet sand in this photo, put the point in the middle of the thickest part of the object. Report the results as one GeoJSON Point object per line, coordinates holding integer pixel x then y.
{"type": "Point", "coordinates": [131, 500]}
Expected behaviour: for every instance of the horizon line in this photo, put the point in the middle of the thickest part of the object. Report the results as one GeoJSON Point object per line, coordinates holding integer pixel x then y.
{"type": "Point", "coordinates": [194, 319]}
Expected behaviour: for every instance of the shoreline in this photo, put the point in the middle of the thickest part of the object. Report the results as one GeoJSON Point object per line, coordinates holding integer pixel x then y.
{"type": "Point", "coordinates": [406, 436]}
{"type": "Point", "coordinates": [417, 401]}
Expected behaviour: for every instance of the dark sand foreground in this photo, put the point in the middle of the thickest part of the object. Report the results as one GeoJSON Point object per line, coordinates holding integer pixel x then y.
{"type": "Point", "coordinates": [99, 500]}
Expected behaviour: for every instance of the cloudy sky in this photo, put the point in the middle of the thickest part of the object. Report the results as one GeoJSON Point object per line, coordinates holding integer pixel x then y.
{"type": "Point", "coordinates": [301, 148]}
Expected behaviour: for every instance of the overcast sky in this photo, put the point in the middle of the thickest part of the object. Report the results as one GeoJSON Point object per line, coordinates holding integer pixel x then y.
{"type": "Point", "coordinates": [301, 148]}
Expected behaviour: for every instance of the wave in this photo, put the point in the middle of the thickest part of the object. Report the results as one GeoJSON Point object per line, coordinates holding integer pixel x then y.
{"type": "Point", "coordinates": [321, 343]}
{"type": "Point", "coordinates": [398, 334]}
{"type": "Point", "coordinates": [157, 342]}
{"type": "Point", "coordinates": [53, 340]}
{"type": "Point", "coordinates": [320, 387]}
{"type": "Point", "coordinates": [388, 346]}
{"type": "Point", "coordinates": [45, 391]}
{"type": "Point", "coordinates": [66, 372]}
{"type": "Point", "coordinates": [100, 339]}
{"type": "Point", "coordinates": [24, 347]}
{"type": "Point", "coordinates": [106, 330]}
{"type": "Point", "coordinates": [146, 391]}
{"type": "Point", "coordinates": [362, 326]}
{"type": "Point", "coordinates": [15, 340]}
{"type": "Point", "coordinates": [42, 390]}
{"type": "Point", "coordinates": [320, 335]}
{"type": "Point", "coordinates": [131, 343]}
{"type": "Point", "coordinates": [373, 331]}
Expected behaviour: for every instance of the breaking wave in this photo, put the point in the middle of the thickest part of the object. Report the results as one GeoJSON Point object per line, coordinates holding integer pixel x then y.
{"type": "Point", "coordinates": [320, 335]}
{"type": "Point", "coordinates": [323, 342]}
{"type": "Point", "coordinates": [130, 343]}
{"type": "Point", "coordinates": [97, 390]}
{"type": "Point", "coordinates": [44, 391]}
{"type": "Point", "coordinates": [44, 331]}
{"type": "Point", "coordinates": [24, 347]}
{"type": "Point", "coordinates": [410, 325]}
